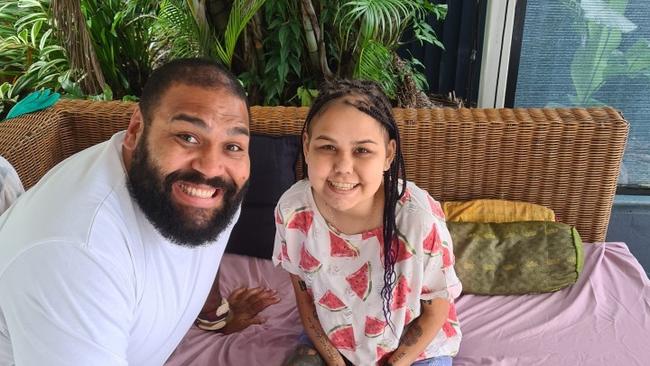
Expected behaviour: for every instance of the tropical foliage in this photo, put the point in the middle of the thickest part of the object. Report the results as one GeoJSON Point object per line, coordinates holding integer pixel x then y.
{"type": "Point", "coordinates": [281, 50]}
{"type": "Point", "coordinates": [30, 55]}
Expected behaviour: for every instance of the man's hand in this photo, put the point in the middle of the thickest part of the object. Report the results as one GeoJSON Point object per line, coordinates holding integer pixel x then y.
{"type": "Point", "coordinates": [245, 306]}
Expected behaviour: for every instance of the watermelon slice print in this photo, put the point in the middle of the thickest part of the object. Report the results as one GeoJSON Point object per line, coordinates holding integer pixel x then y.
{"type": "Point", "coordinates": [405, 197]}
{"type": "Point", "coordinates": [426, 290]}
{"type": "Point", "coordinates": [360, 281]}
{"type": "Point", "coordinates": [432, 242]}
{"type": "Point", "coordinates": [342, 248]}
{"type": "Point", "coordinates": [436, 210]}
{"type": "Point", "coordinates": [284, 252]}
{"type": "Point", "coordinates": [374, 327]}
{"type": "Point", "coordinates": [452, 319]}
{"type": "Point", "coordinates": [301, 220]}
{"type": "Point", "coordinates": [408, 316]}
{"type": "Point", "coordinates": [383, 353]}
{"type": "Point", "coordinates": [449, 329]}
{"type": "Point", "coordinates": [342, 337]}
{"type": "Point", "coordinates": [406, 250]}
{"type": "Point", "coordinates": [447, 256]}
{"type": "Point", "coordinates": [278, 218]}
{"type": "Point", "coordinates": [400, 293]}
{"type": "Point", "coordinates": [452, 312]}
{"type": "Point", "coordinates": [331, 302]}
{"type": "Point", "coordinates": [377, 232]}
{"type": "Point", "coordinates": [308, 263]}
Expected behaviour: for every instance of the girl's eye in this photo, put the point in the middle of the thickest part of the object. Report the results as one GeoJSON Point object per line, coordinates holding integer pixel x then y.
{"type": "Point", "coordinates": [188, 138]}
{"type": "Point", "coordinates": [328, 147]}
{"type": "Point", "coordinates": [362, 150]}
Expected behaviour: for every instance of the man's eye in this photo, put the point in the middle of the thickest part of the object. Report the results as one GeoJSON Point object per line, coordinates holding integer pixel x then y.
{"type": "Point", "coordinates": [328, 147]}
{"type": "Point", "coordinates": [188, 138]}
{"type": "Point", "coordinates": [234, 148]}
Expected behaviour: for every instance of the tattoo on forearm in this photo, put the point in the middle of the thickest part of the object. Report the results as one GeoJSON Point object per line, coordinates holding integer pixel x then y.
{"type": "Point", "coordinates": [413, 333]}
{"type": "Point", "coordinates": [303, 285]}
{"type": "Point", "coordinates": [321, 338]}
{"type": "Point", "coordinates": [396, 357]}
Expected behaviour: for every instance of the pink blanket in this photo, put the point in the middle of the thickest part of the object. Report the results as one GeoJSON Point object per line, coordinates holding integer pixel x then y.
{"type": "Point", "coordinates": [604, 319]}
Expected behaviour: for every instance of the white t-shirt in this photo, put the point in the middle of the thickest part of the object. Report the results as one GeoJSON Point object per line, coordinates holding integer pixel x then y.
{"type": "Point", "coordinates": [10, 185]}
{"type": "Point", "coordinates": [85, 279]}
{"type": "Point", "coordinates": [345, 273]}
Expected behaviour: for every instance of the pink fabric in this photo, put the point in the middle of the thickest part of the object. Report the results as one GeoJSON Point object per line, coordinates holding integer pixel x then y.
{"type": "Point", "coordinates": [604, 319]}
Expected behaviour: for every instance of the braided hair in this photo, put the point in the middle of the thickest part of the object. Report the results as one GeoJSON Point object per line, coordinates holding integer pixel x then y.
{"type": "Point", "coordinates": [368, 98]}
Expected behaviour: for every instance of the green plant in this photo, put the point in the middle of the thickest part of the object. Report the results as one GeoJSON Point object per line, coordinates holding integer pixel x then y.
{"type": "Point", "coordinates": [121, 33]}
{"type": "Point", "coordinates": [599, 57]}
{"type": "Point", "coordinates": [30, 57]}
{"type": "Point", "coordinates": [185, 26]}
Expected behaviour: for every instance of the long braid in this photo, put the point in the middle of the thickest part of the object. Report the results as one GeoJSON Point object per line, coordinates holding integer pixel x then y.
{"type": "Point", "coordinates": [369, 99]}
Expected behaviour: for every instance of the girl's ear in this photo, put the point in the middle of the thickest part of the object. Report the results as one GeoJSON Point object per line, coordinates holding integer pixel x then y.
{"type": "Point", "coordinates": [305, 147]}
{"type": "Point", "coordinates": [390, 154]}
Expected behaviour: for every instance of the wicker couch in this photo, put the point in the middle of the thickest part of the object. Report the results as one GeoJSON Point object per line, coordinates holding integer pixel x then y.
{"type": "Point", "coordinates": [565, 159]}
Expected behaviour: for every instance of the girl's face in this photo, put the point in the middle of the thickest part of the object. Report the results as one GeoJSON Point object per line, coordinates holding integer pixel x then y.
{"type": "Point", "coordinates": [347, 152]}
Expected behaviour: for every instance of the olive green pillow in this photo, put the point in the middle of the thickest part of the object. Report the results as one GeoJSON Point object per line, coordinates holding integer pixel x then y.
{"type": "Point", "coordinates": [515, 258]}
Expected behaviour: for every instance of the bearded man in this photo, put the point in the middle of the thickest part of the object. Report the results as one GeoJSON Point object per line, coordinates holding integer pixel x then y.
{"type": "Point", "coordinates": [109, 259]}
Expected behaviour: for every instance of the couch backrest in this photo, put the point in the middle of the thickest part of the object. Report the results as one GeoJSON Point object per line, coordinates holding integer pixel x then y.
{"type": "Point", "coordinates": [565, 159]}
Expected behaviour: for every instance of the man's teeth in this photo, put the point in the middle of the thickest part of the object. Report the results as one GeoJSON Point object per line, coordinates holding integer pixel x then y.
{"type": "Point", "coordinates": [196, 192]}
{"type": "Point", "coordinates": [343, 186]}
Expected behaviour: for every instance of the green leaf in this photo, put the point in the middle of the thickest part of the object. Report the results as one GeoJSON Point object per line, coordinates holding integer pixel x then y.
{"type": "Point", "coordinates": [638, 57]}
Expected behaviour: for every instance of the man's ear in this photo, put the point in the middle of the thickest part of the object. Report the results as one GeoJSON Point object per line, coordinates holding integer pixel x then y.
{"type": "Point", "coordinates": [391, 148]}
{"type": "Point", "coordinates": [134, 131]}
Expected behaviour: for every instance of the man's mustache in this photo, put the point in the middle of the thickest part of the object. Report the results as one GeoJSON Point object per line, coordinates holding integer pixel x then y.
{"type": "Point", "coordinates": [198, 178]}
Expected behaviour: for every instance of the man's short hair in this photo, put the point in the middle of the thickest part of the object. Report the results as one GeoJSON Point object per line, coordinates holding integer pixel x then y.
{"type": "Point", "coordinates": [198, 72]}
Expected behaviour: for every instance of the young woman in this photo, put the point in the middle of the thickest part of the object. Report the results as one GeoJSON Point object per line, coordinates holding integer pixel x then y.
{"type": "Point", "coordinates": [369, 254]}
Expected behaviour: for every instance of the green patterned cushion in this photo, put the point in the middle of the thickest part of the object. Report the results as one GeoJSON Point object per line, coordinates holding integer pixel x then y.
{"type": "Point", "coordinates": [516, 258]}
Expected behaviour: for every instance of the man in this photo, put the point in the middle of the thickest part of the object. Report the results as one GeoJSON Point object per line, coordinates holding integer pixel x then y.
{"type": "Point", "coordinates": [10, 185]}
{"type": "Point", "coordinates": [110, 257]}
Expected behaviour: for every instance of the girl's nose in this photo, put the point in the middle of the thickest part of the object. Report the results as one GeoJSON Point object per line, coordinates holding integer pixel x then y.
{"type": "Point", "coordinates": [343, 164]}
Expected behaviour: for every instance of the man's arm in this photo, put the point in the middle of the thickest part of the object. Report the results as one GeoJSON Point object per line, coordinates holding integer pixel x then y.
{"type": "Point", "coordinates": [312, 326]}
{"type": "Point", "coordinates": [420, 332]}
{"type": "Point", "coordinates": [62, 306]}
{"type": "Point", "coordinates": [244, 305]}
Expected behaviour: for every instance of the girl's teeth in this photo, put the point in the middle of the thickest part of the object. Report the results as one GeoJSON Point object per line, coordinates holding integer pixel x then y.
{"type": "Point", "coordinates": [343, 186]}
{"type": "Point", "coordinates": [196, 192]}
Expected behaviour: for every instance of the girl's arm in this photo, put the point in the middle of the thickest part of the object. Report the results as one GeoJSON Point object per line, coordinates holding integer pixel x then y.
{"type": "Point", "coordinates": [421, 332]}
{"type": "Point", "coordinates": [314, 330]}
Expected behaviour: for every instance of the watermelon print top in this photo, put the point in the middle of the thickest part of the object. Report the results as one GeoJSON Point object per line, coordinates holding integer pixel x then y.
{"type": "Point", "coordinates": [344, 273]}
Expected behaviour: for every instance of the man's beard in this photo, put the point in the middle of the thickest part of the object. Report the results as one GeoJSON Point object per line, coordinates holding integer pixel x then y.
{"type": "Point", "coordinates": [183, 225]}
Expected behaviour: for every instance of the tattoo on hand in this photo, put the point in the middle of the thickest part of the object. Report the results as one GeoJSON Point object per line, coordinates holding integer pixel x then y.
{"type": "Point", "coordinates": [303, 285]}
{"type": "Point", "coordinates": [413, 333]}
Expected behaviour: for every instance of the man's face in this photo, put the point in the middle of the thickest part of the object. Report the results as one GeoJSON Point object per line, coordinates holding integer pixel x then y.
{"type": "Point", "coordinates": [188, 168]}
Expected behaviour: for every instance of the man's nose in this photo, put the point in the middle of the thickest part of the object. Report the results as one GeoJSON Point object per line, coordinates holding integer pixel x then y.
{"type": "Point", "coordinates": [209, 162]}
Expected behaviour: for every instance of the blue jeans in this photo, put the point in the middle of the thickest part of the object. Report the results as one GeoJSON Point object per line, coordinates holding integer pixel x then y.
{"type": "Point", "coordinates": [434, 361]}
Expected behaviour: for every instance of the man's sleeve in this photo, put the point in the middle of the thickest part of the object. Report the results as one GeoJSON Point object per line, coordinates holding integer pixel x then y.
{"type": "Point", "coordinates": [63, 306]}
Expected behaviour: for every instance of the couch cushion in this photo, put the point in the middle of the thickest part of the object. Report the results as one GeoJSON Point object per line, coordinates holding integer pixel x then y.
{"type": "Point", "coordinates": [495, 210]}
{"type": "Point", "coordinates": [516, 257]}
{"type": "Point", "coordinates": [273, 161]}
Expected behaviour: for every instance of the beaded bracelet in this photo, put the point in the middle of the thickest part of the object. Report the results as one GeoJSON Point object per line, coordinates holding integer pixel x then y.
{"type": "Point", "coordinates": [222, 317]}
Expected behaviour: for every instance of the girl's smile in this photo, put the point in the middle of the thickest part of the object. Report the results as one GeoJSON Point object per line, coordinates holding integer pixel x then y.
{"type": "Point", "coordinates": [347, 152]}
